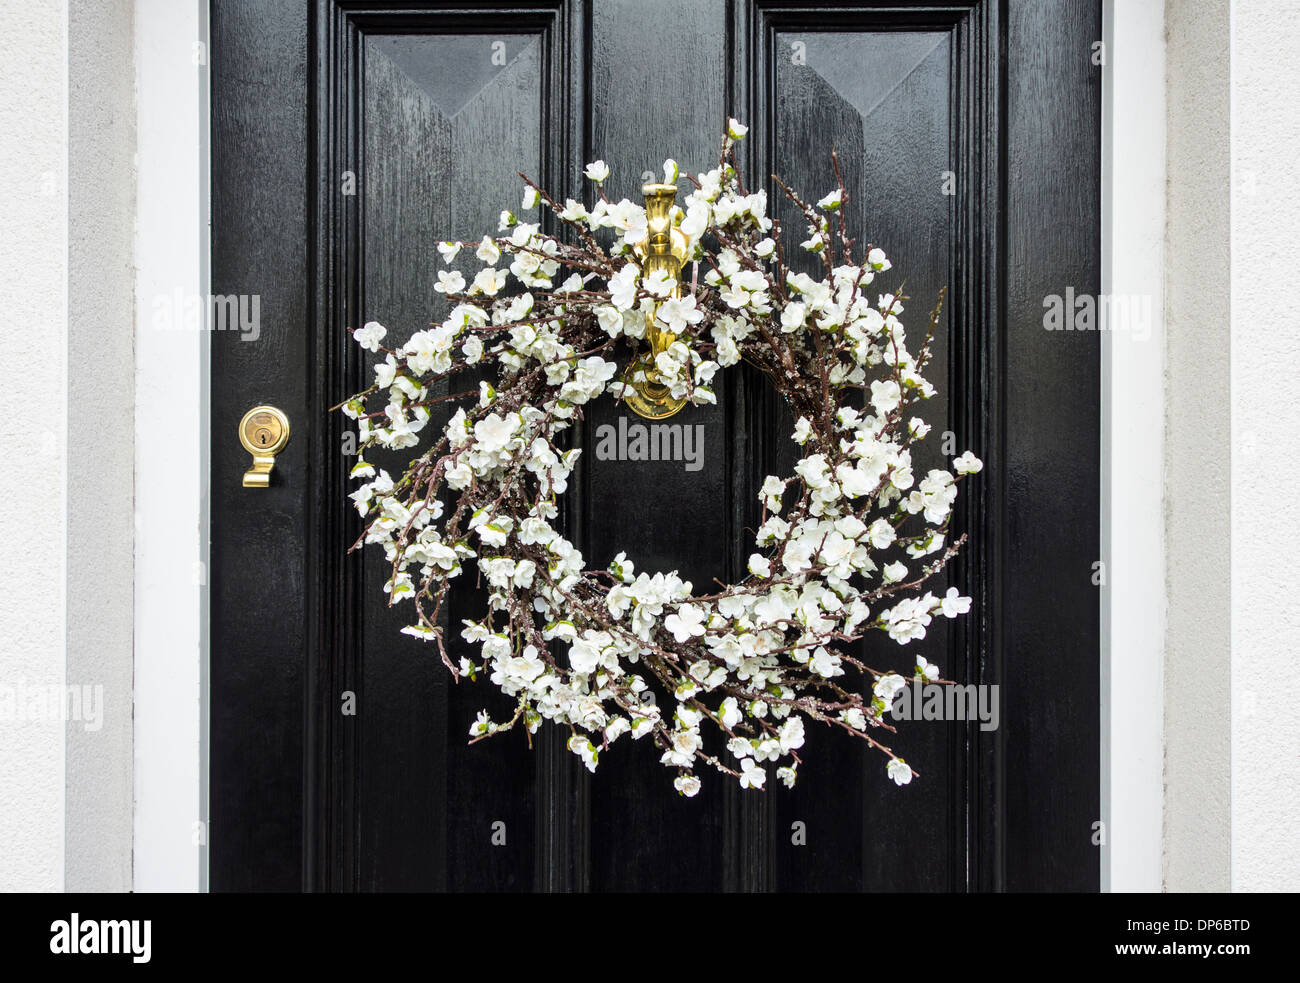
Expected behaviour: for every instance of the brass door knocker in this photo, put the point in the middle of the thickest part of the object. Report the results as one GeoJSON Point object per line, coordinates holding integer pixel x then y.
{"type": "Point", "coordinates": [664, 249]}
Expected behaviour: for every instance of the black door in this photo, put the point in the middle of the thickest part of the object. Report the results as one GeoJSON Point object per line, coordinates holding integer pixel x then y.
{"type": "Point", "coordinates": [349, 137]}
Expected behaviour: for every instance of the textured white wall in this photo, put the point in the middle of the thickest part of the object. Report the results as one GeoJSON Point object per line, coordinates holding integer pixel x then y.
{"type": "Point", "coordinates": [1197, 479]}
{"type": "Point", "coordinates": [33, 443]}
{"type": "Point", "coordinates": [101, 439]}
{"type": "Point", "coordinates": [1265, 360]}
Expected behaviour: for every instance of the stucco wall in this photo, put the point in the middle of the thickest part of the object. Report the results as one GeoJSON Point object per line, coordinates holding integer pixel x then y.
{"type": "Point", "coordinates": [1265, 360]}
{"type": "Point", "coordinates": [101, 438]}
{"type": "Point", "coordinates": [1232, 696]}
{"type": "Point", "coordinates": [33, 442]}
{"type": "Point", "coordinates": [1197, 480]}
{"type": "Point", "coordinates": [67, 355]}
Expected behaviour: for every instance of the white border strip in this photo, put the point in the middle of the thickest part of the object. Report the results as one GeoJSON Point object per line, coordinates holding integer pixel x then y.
{"type": "Point", "coordinates": [1133, 407]}
{"type": "Point", "coordinates": [171, 438]}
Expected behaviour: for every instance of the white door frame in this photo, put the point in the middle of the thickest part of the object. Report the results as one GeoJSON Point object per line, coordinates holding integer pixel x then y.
{"type": "Point", "coordinates": [171, 447]}
{"type": "Point", "coordinates": [1133, 411]}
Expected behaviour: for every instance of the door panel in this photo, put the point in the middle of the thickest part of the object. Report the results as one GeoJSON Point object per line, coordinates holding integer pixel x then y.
{"type": "Point", "coordinates": [350, 137]}
{"type": "Point", "coordinates": [1043, 611]}
{"type": "Point", "coordinates": [261, 731]}
{"type": "Point", "coordinates": [446, 120]}
{"type": "Point", "coordinates": [435, 113]}
{"type": "Point", "coordinates": [663, 65]}
{"type": "Point", "coordinates": [878, 91]}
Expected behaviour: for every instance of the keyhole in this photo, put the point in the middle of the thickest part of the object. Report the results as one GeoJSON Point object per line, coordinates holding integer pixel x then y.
{"type": "Point", "coordinates": [263, 437]}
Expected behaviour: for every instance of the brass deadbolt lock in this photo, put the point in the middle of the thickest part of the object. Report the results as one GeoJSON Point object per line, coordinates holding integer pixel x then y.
{"type": "Point", "coordinates": [263, 431]}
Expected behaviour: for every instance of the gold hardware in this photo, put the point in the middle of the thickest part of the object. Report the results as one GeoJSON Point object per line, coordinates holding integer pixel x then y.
{"type": "Point", "coordinates": [664, 249]}
{"type": "Point", "coordinates": [263, 431]}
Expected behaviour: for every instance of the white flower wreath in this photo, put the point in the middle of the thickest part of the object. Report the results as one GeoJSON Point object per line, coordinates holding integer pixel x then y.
{"type": "Point", "coordinates": [851, 531]}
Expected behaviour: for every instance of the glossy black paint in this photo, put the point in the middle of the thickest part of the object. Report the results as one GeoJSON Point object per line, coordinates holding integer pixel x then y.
{"type": "Point", "coordinates": [998, 101]}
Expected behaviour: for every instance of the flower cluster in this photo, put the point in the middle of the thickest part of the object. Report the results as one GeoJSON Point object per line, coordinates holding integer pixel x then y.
{"type": "Point", "coordinates": [724, 680]}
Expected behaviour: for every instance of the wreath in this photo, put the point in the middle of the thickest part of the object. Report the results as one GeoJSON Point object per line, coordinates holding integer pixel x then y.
{"type": "Point", "coordinates": [845, 544]}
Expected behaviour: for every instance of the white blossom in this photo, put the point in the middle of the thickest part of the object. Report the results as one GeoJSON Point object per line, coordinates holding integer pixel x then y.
{"type": "Point", "coordinates": [450, 282]}
{"type": "Point", "coordinates": [954, 604]}
{"type": "Point", "coordinates": [899, 771]}
{"type": "Point", "coordinates": [832, 201]}
{"type": "Point", "coordinates": [370, 336]}
{"type": "Point", "coordinates": [687, 785]}
{"type": "Point", "coordinates": [686, 622]}
{"type": "Point", "coordinates": [488, 251]}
